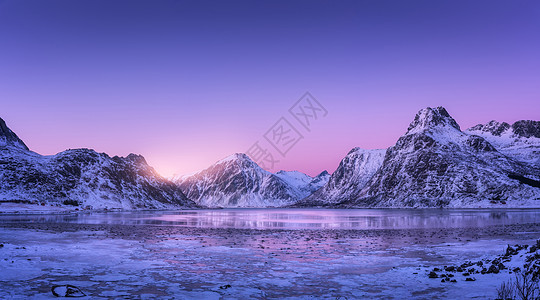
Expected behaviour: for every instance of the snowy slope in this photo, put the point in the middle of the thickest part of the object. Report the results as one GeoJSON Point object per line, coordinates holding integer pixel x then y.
{"type": "Point", "coordinates": [237, 181]}
{"type": "Point", "coordinates": [435, 164]}
{"type": "Point", "coordinates": [83, 177]}
{"type": "Point", "coordinates": [8, 138]}
{"type": "Point", "coordinates": [352, 174]}
{"type": "Point", "coordinates": [520, 140]}
{"type": "Point", "coordinates": [304, 183]}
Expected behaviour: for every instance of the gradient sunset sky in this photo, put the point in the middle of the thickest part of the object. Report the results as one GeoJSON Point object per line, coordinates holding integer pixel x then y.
{"type": "Point", "coordinates": [186, 83]}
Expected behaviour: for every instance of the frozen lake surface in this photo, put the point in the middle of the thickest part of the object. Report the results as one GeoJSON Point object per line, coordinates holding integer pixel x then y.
{"type": "Point", "coordinates": [257, 253]}
{"type": "Point", "coordinates": [299, 218]}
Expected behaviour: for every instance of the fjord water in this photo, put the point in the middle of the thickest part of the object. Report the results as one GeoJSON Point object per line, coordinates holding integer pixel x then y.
{"type": "Point", "coordinates": [300, 218]}
{"type": "Point", "coordinates": [258, 253]}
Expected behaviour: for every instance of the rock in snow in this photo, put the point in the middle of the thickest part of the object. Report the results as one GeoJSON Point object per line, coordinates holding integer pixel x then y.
{"type": "Point", "coordinates": [82, 177]}
{"type": "Point", "coordinates": [67, 291]}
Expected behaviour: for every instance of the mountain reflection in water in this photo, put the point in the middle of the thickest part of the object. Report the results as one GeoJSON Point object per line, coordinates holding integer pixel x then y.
{"type": "Point", "coordinates": [298, 218]}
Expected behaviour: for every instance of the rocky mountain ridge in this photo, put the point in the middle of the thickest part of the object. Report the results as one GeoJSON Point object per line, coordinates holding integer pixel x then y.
{"type": "Point", "coordinates": [435, 164]}
{"type": "Point", "coordinates": [237, 181]}
{"type": "Point", "coordinates": [82, 178]}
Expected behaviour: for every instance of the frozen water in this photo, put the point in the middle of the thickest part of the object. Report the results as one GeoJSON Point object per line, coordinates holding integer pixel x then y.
{"type": "Point", "coordinates": [256, 253]}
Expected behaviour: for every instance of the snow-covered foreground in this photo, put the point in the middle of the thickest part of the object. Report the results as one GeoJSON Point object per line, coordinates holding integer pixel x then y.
{"type": "Point", "coordinates": [141, 256]}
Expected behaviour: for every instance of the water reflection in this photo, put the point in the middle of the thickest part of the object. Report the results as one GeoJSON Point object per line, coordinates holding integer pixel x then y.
{"type": "Point", "coordinates": [298, 218]}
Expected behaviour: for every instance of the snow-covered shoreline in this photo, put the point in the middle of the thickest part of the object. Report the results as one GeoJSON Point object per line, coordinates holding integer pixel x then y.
{"type": "Point", "coordinates": [149, 261]}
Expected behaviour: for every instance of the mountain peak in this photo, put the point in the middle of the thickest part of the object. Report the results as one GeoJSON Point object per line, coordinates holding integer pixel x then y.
{"type": "Point", "coordinates": [235, 157]}
{"type": "Point", "coordinates": [431, 117]}
{"type": "Point", "coordinates": [527, 128]}
{"type": "Point", "coordinates": [323, 173]}
{"type": "Point", "coordinates": [137, 158]}
{"type": "Point", "coordinates": [493, 127]}
{"type": "Point", "coordinates": [8, 137]}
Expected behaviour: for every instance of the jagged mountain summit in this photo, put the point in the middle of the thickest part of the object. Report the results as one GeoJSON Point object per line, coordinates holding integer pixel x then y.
{"type": "Point", "coordinates": [82, 177]}
{"type": "Point", "coordinates": [520, 140]}
{"type": "Point", "coordinates": [304, 183]}
{"type": "Point", "coordinates": [9, 139]}
{"type": "Point", "coordinates": [352, 174]}
{"type": "Point", "coordinates": [237, 181]}
{"type": "Point", "coordinates": [435, 164]}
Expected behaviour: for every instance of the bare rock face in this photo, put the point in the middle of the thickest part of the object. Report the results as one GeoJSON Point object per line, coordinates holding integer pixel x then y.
{"type": "Point", "coordinates": [527, 128]}
{"type": "Point", "coordinates": [82, 177]}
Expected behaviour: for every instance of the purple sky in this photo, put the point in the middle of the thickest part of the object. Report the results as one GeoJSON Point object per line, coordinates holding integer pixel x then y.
{"type": "Point", "coordinates": [185, 83]}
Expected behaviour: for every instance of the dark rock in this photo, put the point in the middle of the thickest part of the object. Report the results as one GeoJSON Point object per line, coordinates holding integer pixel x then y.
{"type": "Point", "coordinates": [8, 137]}
{"type": "Point", "coordinates": [493, 269]}
{"type": "Point", "coordinates": [433, 275]}
{"type": "Point", "coordinates": [479, 143]}
{"type": "Point", "coordinates": [492, 127]}
{"type": "Point", "coordinates": [510, 251]}
{"type": "Point", "coordinates": [67, 291]}
{"type": "Point", "coordinates": [466, 274]}
{"type": "Point", "coordinates": [470, 279]}
{"type": "Point", "coordinates": [224, 287]}
{"type": "Point", "coordinates": [450, 269]}
{"type": "Point", "coordinates": [527, 128]}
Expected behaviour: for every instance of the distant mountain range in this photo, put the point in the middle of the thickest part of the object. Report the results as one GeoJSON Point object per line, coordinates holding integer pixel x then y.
{"type": "Point", "coordinates": [82, 177]}
{"type": "Point", "coordinates": [434, 164]}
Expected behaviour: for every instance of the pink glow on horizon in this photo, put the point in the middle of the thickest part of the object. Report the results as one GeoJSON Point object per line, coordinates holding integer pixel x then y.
{"type": "Point", "coordinates": [185, 84]}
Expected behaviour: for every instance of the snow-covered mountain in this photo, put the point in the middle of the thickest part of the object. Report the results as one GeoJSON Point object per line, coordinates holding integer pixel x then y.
{"type": "Point", "coordinates": [237, 181]}
{"type": "Point", "coordinates": [352, 174]}
{"type": "Point", "coordinates": [304, 183]}
{"type": "Point", "coordinates": [435, 164]}
{"type": "Point", "coordinates": [520, 140]}
{"type": "Point", "coordinates": [82, 177]}
{"type": "Point", "coordinates": [8, 138]}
